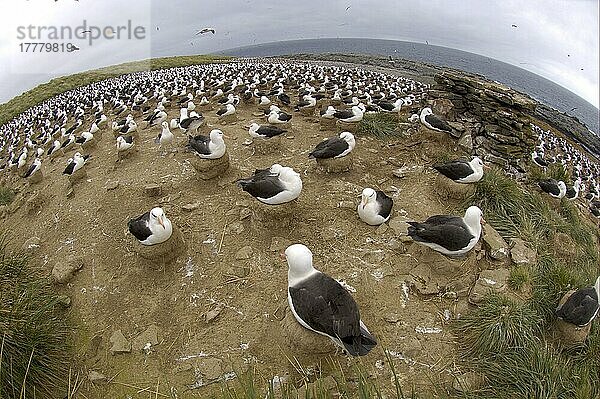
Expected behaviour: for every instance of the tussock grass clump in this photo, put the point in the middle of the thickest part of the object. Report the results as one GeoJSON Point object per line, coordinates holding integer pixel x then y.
{"type": "Point", "coordinates": [351, 383]}
{"type": "Point", "coordinates": [6, 195]}
{"type": "Point", "coordinates": [380, 125]}
{"type": "Point", "coordinates": [35, 356]}
{"type": "Point", "coordinates": [519, 276]}
{"type": "Point", "coordinates": [500, 325]}
{"type": "Point", "coordinates": [554, 171]}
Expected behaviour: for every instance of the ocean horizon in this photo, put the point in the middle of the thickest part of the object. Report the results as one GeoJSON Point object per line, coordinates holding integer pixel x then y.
{"type": "Point", "coordinates": [539, 88]}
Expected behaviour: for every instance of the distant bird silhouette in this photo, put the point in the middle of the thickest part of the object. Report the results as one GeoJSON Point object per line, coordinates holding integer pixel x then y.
{"type": "Point", "coordinates": [514, 26]}
{"type": "Point", "coordinates": [347, 8]}
{"type": "Point", "coordinates": [205, 30]}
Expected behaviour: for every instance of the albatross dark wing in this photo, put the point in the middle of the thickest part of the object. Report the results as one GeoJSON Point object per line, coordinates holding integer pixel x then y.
{"type": "Point", "coordinates": [324, 305]}
{"type": "Point", "coordinates": [329, 148]}
{"type": "Point", "coordinates": [139, 226]}
{"type": "Point", "coordinates": [455, 169]}
{"type": "Point", "coordinates": [199, 144]}
{"type": "Point", "coordinates": [580, 308]}
{"type": "Point", "coordinates": [449, 235]}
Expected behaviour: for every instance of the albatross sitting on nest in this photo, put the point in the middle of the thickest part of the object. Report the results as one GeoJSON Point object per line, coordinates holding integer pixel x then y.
{"type": "Point", "coordinates": [320, 304]}
{"type": "Point", "coordinates": [273, 186]}
{"type": "Point", "coordinates": [447, 234]}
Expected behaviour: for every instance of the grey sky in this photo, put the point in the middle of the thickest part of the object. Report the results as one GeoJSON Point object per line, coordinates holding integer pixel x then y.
{"type": "Point", "coordinates": [555, 39]}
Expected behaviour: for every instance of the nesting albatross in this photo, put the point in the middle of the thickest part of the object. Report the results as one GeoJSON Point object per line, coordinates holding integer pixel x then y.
{"type": "Point", "coordinates": [273, 186]}
{"type": "Point", "coordinates": [581, 307]}
{"type": "Point", "coordinates": [447, 234]}
{"type": "Point", "coordinates": [462, 171]}
{"type": "Point", "coordinates": [151, 228]}
{"type": "Point", "coordinates": [375, 207]}
{"type": "Point", "coordinates": [321, 304]}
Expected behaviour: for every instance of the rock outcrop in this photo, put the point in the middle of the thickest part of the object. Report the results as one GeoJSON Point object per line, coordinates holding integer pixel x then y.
{"type": "Point", "coordinates": [495, 117]}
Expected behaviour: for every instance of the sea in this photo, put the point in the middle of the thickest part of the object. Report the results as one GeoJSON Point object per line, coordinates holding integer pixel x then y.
{"type": "Point", "coordinates": [541, 89]}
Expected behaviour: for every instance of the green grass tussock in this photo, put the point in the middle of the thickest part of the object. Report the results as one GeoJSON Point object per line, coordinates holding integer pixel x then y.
{"type": "Point", "coordinates": [6, 195]}
{"type": "Point", "coordinates": [59, 85]}
{"type": "Point", "coordinates": [381, 125]}
{"type": "Point", "coordinates": [34, 354]}
{"type": "Point", "coordinates": [500, 325]}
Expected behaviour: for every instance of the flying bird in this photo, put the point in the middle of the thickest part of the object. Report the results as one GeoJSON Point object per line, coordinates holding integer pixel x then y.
{"type": "Point", "coordinates": [205, 30]}
{"type": "Point", "coordinates": [514, 26]}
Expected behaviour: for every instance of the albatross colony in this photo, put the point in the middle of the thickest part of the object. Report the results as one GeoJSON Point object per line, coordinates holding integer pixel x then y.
{"type": "Point", "coordinates": [132, 110]}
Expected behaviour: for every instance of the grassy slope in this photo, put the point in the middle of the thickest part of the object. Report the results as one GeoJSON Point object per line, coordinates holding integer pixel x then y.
{"type": "Point", "coordinates": [61, 84]}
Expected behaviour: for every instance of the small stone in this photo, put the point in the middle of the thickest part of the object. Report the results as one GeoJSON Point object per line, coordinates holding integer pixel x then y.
{"type": "Point", "coordinates": [494, 244]}
{"type": "Point", "coordinates": [392, 318]}
{"type": "Point", "coordinates": [119, 343]}
{"type": "Point", "coordinates": [489, 281]}
{"type": "Point", "coordinates": [279, 244]}
{"type": "Point", "coordinates": [64, 270]}
{"type": "Point", "coordinates": [521, 254]}
{"type": "Point", "coordinates": [212, 314]}
{"type": "Point", "coordinates": [236, 228]}
{"type": "Point", "coordinates": [150, 336]}
{"type": "Point", "coordinates": [406, 170]}
{"type": "Point", "coordinates": [96, 377]}
{"type": "Point", "coordinates": [152, 190]}
{"type": "Point", "coordinates": [245, 213]}
{"type": "Point", "coordinates": [111, 185]}
{"type": "Point", "coordinates": [396, 246]}
{"type": "Point", "coordinates": [375, 256]}
{"type": "Point", "coordinates": [191, 207]}
{"type": "Point", "coordinates": [244, 253]}
{"type": "Point", "coordinates": [32, 244]}
{"type": "Point", "coordinates": [468, 382]}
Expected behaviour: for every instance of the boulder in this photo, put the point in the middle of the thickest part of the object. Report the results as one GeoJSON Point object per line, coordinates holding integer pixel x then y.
{"type": "Point", "coordinates": [521, 253]}
{"type": "Point", "coordinates": [494, 244]}
{"type": "Point", "coordinates": [63, 271]}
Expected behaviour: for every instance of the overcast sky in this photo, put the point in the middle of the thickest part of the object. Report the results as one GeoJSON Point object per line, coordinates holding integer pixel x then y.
{"type": "Point", "coordinates": [557, 39]}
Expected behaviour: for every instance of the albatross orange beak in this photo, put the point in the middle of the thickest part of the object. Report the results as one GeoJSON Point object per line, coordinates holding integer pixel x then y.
{"type": "Point", "coordinates": [485, 166]}
{"type": "Point", "coordinates": [282, 256]}
{"type": "Point", "coordinates": [160, 220]}
{"type": "Point", "coordinates": [483, 221]}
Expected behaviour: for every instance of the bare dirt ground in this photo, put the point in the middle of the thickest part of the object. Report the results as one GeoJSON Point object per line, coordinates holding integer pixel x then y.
{"type": "Point", "coordinates": [243, 294]}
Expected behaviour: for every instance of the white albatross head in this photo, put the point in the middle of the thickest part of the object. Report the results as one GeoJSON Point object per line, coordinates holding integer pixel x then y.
{"type": "Point", "coordinates": [368, 195]}
{"type": "Point", "coordinates": [157, 216]}
{"type": "Point", "coordinates": [474, 219]}
{"type": "Point", "coordinates": [300, 263]}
